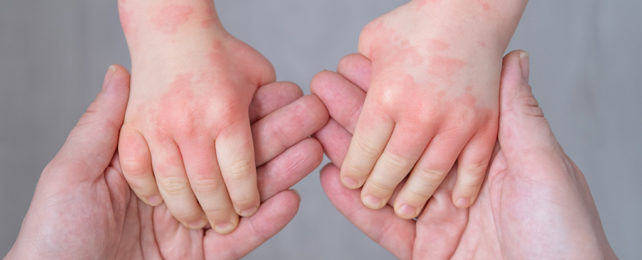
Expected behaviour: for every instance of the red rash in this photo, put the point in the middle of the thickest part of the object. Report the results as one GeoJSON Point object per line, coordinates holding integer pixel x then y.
{"type": "Point", "coordinates": [444, 67]}
{"type": "Point", "coordinates": [438, 45]}
{"type": "Point", "coordinates": [168, 19]}
{"type": "Point", "coordinates": [178, 100]}
{"type": "Point", "coordinates": [485, 6]}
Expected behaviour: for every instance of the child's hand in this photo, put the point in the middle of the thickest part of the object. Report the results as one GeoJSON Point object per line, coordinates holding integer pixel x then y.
{"type": "Point", "coordinates": [186, 137]}
{"type": "Point", "coordinates": [433, 100]}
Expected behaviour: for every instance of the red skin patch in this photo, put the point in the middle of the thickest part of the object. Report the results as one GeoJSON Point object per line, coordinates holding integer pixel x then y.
{"type": "Point", "coordinates": [210, 13]}
{"type": "Point", "coordinates": [445, 67]}
{"type": "Point", "coordinates": [178, 110]}
{"type": "Point", "coordinates": [171, 17]}
{"type": "Point", "coordinates": [438, 45]}
{"type": "Point", "coordinates": [485, 6]}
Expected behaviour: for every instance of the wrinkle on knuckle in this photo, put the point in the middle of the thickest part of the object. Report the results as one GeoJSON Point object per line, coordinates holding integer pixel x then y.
{"type": "Point", "coordinates": [240, 169]}
{"type": "Point", "coordinates": [217, 212]}
{"type": "Point", "coordinates": [174, 185]}
{"type": "Point", "coordinates": [205, 185]}
{"type": "Point", "coordinates": [430, 176]}
{"type": "Point", "coordinates": [134, 167]}
{"type": "Point", "coordinates": [393, 161]}
{"type": "Point", "coordinates": [381, 186]}
{"type": "Point", "coordinates": [416, 195]}
{"type": "Point", "coordinates": [365, 147]}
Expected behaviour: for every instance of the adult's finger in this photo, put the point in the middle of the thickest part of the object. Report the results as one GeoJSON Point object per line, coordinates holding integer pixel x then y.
{"type": "Point", "coordinates": [383, 226]}
{"type": "Point", "coordinates": [271, 217]}
{"type": "Point", "coordinates": [271, 97]}
{"type": "Point", "coordinates": [342, 98]}
{"type": "Point", "coordinates": [285, 127]}
{"type": "Point", "coordinates": [92, 143]}
{"type": "Point", "coordinates": [522, 125]}
{"type": "Point", "coordinates": [356, 68]}
{"type": "Point", "coordinates": [289, 167]}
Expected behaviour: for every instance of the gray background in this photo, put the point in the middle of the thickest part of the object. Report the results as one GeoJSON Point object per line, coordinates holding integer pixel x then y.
{"type": "Point", "coordinates": [586, 72]}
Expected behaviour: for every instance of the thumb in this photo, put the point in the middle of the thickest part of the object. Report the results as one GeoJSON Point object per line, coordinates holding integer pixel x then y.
{"type": "Point", "coordinates": [522, 126]}
{"type": "Point", "coordinates": [92, 142]}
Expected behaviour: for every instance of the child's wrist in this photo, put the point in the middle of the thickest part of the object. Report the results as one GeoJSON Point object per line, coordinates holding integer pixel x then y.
{"type": "Point", "coordinates": [491, 21]}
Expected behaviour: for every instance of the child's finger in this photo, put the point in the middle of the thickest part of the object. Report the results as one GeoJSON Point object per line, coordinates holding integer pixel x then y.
{"type": "Point", "coordinates": [382, 226]}
{"type": "Point", "coordinates": [207, 183]}
{"type": "Point", "coordinates": [429, 172]}
{"type": "Point", "coordinates": [235, 153]}
{"type": "Point", "coordinates": [371, 136]}
{"type": "Point", "coordinates": [472, 166]}
{"type": "Point", "coordinates": [173, 184]}
{"type": "Point", "coordinates": [136, 163]}
{"type": "Point", "coordinates": [402, 152]}
{"type": "Point", "coordinates": [275, 214]}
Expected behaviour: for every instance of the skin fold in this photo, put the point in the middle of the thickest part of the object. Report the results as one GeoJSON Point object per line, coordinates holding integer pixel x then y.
{"type": "Point", "coordinates": [83, 208]}
{"type": "Point", "coordinates": [534, 203]}
{"type": "Point", "coordinates": [186, 140]}
{"type": "Point", "coordinates": [433, 100]}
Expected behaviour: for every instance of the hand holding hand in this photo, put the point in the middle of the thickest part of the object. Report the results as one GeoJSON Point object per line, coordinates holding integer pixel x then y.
{"type": "Point", "coordinates": [534, 204]}
{"type": "Point", "coordinates": [84, 209]}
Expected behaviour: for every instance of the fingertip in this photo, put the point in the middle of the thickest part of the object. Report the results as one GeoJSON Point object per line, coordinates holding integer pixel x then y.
{"type": "Point", "coordinates": [228, 227]}
{"type": "Point", "coordinates": [462, 203]}
{"type": "Point", "coordinates": [350, 183]}
{"type": "Point", "coordinates": [356, 68]}
{"type": "Point", "coordinates": [320, 80]}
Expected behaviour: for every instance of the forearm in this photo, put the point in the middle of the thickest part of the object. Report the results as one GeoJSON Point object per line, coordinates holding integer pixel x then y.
{"type": "Point", "coordinates": [148, 23]}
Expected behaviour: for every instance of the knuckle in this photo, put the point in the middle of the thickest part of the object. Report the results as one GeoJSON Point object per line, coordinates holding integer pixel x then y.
{"type": "Point", "coordinates": [241, 169]}
{"type": "Point", "coordinates": [205, 185]}
{"type": "Point", "coordinates": [217, 212]}
{"type": "Point", "coordinates": [475, 169]}
{"type": "Point", "coordinates": [429, 176]}
{"type": "Point", "coordinates": [188, 214]}
{"type": "Point", "coordinates": [245, 202]}
{"type": "Point", "coordinates": [134, 167]}
{"type": "Point", "coordinates": [381, 186]}
{"type": "Point", "coordinates": [365, 147]}
{"type": "Point", "coordinates": [394, 161]}
{"type": "Point", "coordinates": [415, 195]}
{"type": "Point", "coordinates": [354, 170]}
{"type": "Point", "coordinates": [173, 185]}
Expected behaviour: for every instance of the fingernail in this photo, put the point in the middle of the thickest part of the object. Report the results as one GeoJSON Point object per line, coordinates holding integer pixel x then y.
{"type": "Point", "coordinates": [248, 212]}
{"type": "Point", "coordinates": [462, 203]}
{"type": "Point", "coordinates": [224, 228]}
{"type": "Point", "coordinates": [372, 202]}
{"type": "Point", "coordinates": [350, 182]}
{"type": "Point", "coordinates": [108, 76]}
{"type": "Point", "coordinates": [407, 211]}
{"type": "Point", "coordinates": [525, 65]}
{"type": "Point", "coordinates": [155, 200]}
{"type": "Point", "coordinates": [198, 224]}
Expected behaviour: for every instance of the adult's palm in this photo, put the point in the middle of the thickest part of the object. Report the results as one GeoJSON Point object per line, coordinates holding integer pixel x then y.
{"type": "Point", "coordinates": [534, 203]}
{"type": "Point", "coordinates": [84, 209]}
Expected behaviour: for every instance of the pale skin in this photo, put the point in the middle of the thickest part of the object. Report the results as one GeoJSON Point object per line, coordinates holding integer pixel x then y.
{"type": "Point", "coordinates": [433, 100]}
{"type": "Point", "coordinates": [534, 204]}
{"type": "Point", "coordinates": [186, 139]}
{"type": "Point", "coordinates": [83, 208]}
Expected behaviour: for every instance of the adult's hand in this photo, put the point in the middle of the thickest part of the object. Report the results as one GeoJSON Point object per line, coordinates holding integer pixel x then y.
{"type": "Point", "coordinates": [535, 202]}
{"type": "Point", "coordinates": [83, 209]}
